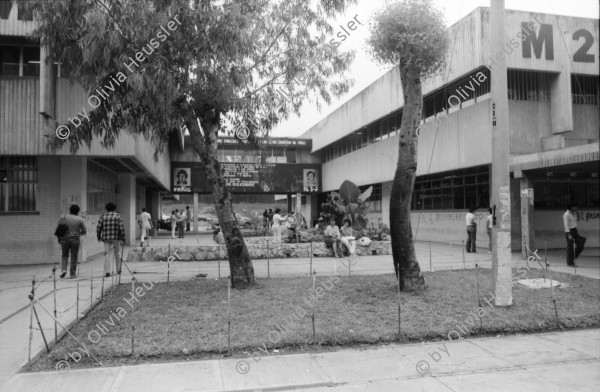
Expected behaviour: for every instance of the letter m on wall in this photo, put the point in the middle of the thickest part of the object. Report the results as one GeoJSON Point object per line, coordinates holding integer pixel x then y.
{"type": "Point", "coordinates": [537, 42]}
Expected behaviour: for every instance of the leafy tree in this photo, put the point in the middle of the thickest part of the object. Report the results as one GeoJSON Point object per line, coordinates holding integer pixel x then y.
{"type": "Point", "coordinates": [224, 62]}
{"type": "Point", "coordinates": [412, 36]}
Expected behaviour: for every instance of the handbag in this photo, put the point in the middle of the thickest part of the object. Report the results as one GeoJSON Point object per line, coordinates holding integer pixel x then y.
{"type": "Point", "coordinates": [62, 227]}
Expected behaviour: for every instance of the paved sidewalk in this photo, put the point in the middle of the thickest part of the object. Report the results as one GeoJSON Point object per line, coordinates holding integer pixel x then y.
{"type": "Point", "coordinates": [563, 361]}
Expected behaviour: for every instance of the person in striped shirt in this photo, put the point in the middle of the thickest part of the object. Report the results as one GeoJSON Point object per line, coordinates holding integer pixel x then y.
{"type": "Point", "coordinates": [111, 231]}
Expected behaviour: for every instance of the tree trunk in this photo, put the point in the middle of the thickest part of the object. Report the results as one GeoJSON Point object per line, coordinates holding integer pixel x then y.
{"type": "Point", "coordinates": [405, 261]}
{"type": "Point", "coordinates": [240, 264]}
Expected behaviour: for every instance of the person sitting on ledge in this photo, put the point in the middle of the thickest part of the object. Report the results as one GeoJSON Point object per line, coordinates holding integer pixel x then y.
{"type": "Point", "coordinates": [332, 236]}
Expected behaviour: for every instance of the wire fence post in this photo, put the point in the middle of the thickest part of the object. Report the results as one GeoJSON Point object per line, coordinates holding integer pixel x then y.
{"type": "Point", "coordinates": [102, 288]}
{"type": "Point", "coordinates": [546, 253]}
{"type": "Point", "coordinates": [77, 306]}
{"type": "Point", "coordinates": [219, 260]}
{"type": "Point", "coordinates": [463, 253]}
{"type": "Point", "coordinates": [313, 309]}
{"type": "Point", "coordinates": [430, 268]}
{"type": "Point", "coordinates": [268, 255]}
{"type": "Point", "coordinates": [92, 286]}
{"type": "Point", "coordinates": [55, 326]}
{"type": "Point", "coordinates": [169, 264]}
{"type": "Point", "coordinates": [132, 318]}
{"type": "Point", "coordinates": [311, 256]}
{"type": "Point", "coordinates": [399, 314]}
{"type": "Point", "coordinates": [478, 298]}
{"type": "Point", "coordinates": [31, 318]}
{"type": "Point", "coordinates": [228, 317]}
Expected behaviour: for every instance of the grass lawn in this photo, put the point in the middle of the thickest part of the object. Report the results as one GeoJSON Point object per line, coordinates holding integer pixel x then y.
{"type": "Point", "coordinates": [192, 315]}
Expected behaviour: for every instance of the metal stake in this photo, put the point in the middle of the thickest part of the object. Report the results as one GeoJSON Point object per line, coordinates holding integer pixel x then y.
{"type": "Point", "coordinates": [77, 306]}
{"type": "Point", "coordinates": [430, 269]}
{"type": "Point", "coordinates": [132, 319]}
{"type": "Point", "coordinates": [228, 317]}
{"type": "Point", "coordinates": [311, 256]}
{"type": "Point", "coordinates": [54, 293]}
{"type": "Point", "coordinates": [31, 318]}
{"type": "Point", "coordinates": [313, 310]}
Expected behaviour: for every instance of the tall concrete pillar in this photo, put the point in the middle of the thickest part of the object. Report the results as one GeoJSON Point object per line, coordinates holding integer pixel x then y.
{"type": "Point", "coordinates": [126, 205]}
{"type": "Point", "coordinates": [527, 210]}
{"type": "Point", "coordinates": [298, 204]}
{"type": "Point", "coordinates": [73, 190]}
{"type": "Point", "coordinates": [561, 107]}
{"type": "Point", "coordinates": [501, 231]}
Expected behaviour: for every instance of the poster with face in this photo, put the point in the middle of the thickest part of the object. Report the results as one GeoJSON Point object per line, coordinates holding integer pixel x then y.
{"type": "Point", "coordinates": [182, 179]}
{"type": "Point", "coordinates": [310, 180]}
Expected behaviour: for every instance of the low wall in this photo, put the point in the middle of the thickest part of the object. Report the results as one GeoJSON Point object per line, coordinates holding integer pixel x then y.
{"type": "Point", "coordinates": [257, 247]}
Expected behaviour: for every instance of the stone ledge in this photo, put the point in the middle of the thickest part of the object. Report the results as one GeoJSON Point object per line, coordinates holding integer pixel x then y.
{"type": "Point", "coordinates": [256, 246]}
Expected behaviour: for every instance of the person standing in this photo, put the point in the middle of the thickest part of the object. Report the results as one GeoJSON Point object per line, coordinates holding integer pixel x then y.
{"type": "Point", "coordinates": [575, 242]}
{"type": "Point", "coordinates": [188, 218]}
{"type": "Point", "coordinates": [277, 220]}
{"type": "Point", "coordinates": [173, 220]}
{"type": "Point", "coordinates": [489, 224]}
{"type": "Point", "coordinates": [471, 231]}
{"type": "Point", "coordinates": [180, 219]}
{"type": "Point", "coordinates": [111, 231]}
{"type": "Point", "coordinates": [145, 221]}
{"type": "Point", "coordinates": [69, 242]}
{"type": "Point", "coordinates": [270, 216]}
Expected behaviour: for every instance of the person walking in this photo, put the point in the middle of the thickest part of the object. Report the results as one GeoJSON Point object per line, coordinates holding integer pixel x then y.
{"type": "Point", "coordinates": [489, 224]}
{"type": "Point", "coordinates": [575, 242]}
{"type": "Point", "coordinates": [471, 231]}
{"type": "Point", "coordinates": [188, 218]}
{"type": "Point", "coordinates": [173, 220]}
{"type": "Point", "coordinates": [277, 220]}
{"type": "Point", "coordinates": [180, 219]}
{"type": "Point", "coordinates": [70, 242]}
{"type": "Point", "coordinates": [145, 221]}
{"type": "Point", "coordinates": [111, 231]}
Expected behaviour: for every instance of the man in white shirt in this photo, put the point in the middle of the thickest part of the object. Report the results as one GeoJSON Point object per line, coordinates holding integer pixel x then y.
{"type": "Point", "coordinates": [145, 221]}
{"type": "Point", "coordinates": [575, 242]}
{"type": "Point", "coordinates": [471, 231]}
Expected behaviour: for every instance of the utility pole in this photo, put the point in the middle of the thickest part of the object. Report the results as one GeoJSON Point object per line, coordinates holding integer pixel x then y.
{"type": "Point", "coordinates": [500, 192]}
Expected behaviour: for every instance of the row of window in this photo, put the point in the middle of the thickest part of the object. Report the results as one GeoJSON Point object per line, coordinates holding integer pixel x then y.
{"type": "Point", "coordinates": [558, 193]}
{"type": "Point", "coordinates": [101, 189]}
{"type": "Point", "coordinates": [522, 85]}
{"type": "Point", "coordinates": [18, 60]}
{"type": "Point", "coordinates": [18, 184]}
{"type": "Point", "coordinates": [456, 190]}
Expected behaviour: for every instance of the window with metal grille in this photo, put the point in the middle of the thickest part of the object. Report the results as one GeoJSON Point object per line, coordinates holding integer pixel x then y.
{"type": "Point", "coordinates": [453, 190]}
{"type": "Point", "coordinates": [101, 189]}
{"type": "Point", "coordinates": [18, 184]}
{"type": "Point", "coordinates": [584, 89]}
{"type": "Point", "coordinates": [529, 85]}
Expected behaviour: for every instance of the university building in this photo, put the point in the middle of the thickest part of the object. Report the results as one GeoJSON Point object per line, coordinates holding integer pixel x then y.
{"type": "Point", "coordinates": [553, 97]}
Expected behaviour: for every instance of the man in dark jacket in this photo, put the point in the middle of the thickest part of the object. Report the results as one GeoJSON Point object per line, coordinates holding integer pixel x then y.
{"type": "Point", "coordinates": [70, 241]}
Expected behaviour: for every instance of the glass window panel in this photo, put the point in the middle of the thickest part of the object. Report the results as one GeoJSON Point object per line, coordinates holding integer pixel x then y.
{"type": "Point", "coordinates": [31, 61]}
{"type": "Point", "coordinates": [9, 60]}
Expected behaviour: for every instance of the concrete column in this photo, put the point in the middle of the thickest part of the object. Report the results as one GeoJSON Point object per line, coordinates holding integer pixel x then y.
{"type": "Point", "coordinates": [73, 190]}
{"type": "Point", "coordinates": [289, 201]}
{"type": "Point", "coordinates": [47, 85]}
{"type": "Point", "coordinates": [561, 107]}
{"type": "Point", "coordinates": [154, 205]}
{"type": "Point", "coordinates": [527, 210]}
{"type": "Point", "coordinates": [195, 213]}
{"type": "Point", "coordinates": [501, 231]}
{"type": "Point", "coordinates": [126, 205]}
{"type": "Point", "coordinates": [298, 204]}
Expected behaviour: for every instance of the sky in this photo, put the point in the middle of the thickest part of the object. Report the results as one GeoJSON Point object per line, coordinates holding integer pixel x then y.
{"type": "Point", "coordinates": [365, 71]}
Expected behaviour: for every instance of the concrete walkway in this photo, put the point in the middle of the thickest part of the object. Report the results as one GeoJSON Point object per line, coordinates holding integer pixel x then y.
{"type": "Point", "coordinates": [566, 361]}
{"type": "Point", "coordinates": [15, 285]}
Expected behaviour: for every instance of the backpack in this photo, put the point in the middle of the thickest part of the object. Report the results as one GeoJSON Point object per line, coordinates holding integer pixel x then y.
{"type": "Point", "coordinates": [62, 227]}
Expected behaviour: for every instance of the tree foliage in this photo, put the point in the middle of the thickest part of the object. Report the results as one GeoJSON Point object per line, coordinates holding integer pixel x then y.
{"type": "Point", "coordinates": [411, 34]}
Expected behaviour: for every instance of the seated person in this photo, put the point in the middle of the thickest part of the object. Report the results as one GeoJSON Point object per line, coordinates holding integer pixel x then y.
{"type": "Point", "coordinates": [348, 238]}
{"type": "Point", "coordinates": [321, 224]}
{"type": "Point", "coordinates": [332, 236]}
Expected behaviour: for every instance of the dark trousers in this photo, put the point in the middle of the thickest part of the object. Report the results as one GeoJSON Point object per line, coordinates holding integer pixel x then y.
{"type": "Point", "coordinates": [187, 226]}
{"type": "Point", "coordinates": [471, 238]}
{"type": "Point", "coordinates": [574, 246]}
{"type": "Point", "coordinates": [180, 229]}
{"type": "Point", "coordinates": [70, 245]}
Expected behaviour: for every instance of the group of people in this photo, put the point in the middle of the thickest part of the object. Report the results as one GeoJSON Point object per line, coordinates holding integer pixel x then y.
{"type": "Point", "coordinates": [277, 221]}
{"type": "Point", "coordinates": [334, 236]}
{"type": "Point", "coordinates": [575, 242]}
{"type": "Point", "coordinates": [110, 231]}
{"type": "Point", "coordinates": [179, 220]}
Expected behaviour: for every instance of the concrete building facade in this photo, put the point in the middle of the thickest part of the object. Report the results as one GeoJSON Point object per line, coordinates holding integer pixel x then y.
{"type": "Point", "coordinates": [554, 132]}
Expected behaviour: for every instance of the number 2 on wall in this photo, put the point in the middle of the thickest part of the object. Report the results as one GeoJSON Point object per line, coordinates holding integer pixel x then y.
{"type": "Point", "coordinates": [582, 55]}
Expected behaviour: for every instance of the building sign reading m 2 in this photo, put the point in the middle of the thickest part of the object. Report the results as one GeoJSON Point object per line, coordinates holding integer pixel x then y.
{"type": "Point", "coordinates": [544, 37]}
